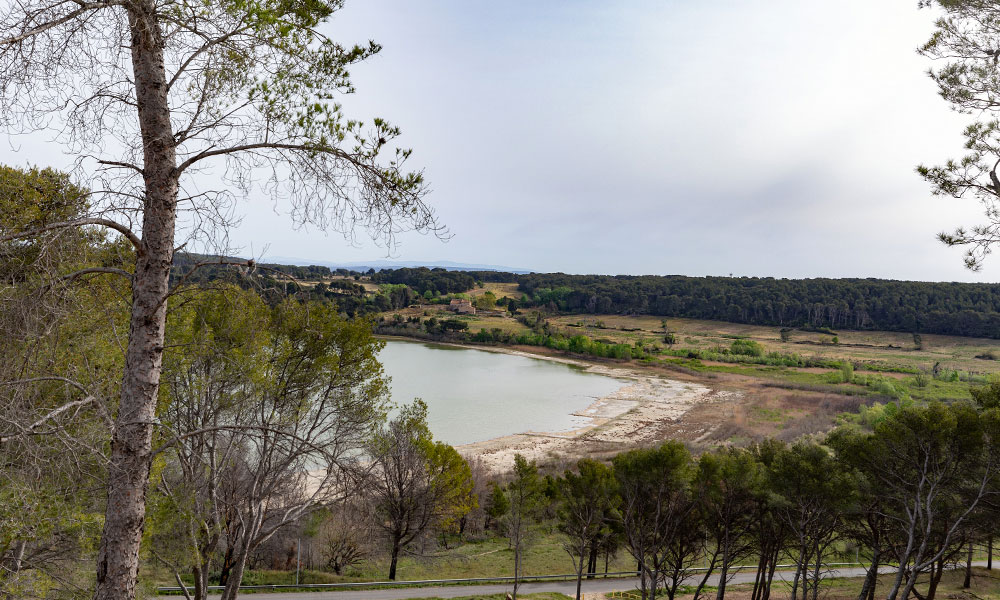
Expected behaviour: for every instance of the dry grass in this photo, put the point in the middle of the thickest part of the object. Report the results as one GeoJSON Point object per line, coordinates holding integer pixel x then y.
{"type": "Point", "coordinates": [363, 282]}
{"type": "Point", "coordinates": [950, 352]}
{"type": "Point", "coordinates": [985, 586]}
{"type": "Point", "coordinates": [500, 290]}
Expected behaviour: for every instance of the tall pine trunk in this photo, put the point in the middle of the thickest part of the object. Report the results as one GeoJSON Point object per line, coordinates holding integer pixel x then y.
{"type": "Point", "coordinates": [936, 572]}
{"type": "Point", "coordinates": [642, 582]}
{"type": "Point", "coordinates": [770, 575]}
{"type": "Point", "coordinates": [579, 572]}
{"type": "Point", "coordinates": [765, 573]}
{"type": "Point", "coordinates": [592, 563]}
{"type": "Point", "coordinates": [131, 442]}
{"type": "Point", "coordinates": [723, 571]}
{"type": "Point", "coordinates": [517, 567]}
{"type": "Point", "coordinates": [801, 569]}
{"type": "Point", "coordinates": [968, 568]}
{"type": "Point", "coordinates": [816, 571]}
{"type": "Point", "coordinates": [758, 578]}
{"type": "Point", "coordinates": [871, 578]}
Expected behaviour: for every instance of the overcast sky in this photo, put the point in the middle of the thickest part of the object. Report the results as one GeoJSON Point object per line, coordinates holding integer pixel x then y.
{"type": "Point", "coordinates": [771, 138]}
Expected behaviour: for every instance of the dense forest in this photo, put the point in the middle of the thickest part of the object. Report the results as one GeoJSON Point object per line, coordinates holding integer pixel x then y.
{"type": "Point", "coordinates": [968, 309]}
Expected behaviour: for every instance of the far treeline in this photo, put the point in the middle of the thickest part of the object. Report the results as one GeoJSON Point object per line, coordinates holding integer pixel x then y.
{"type": "Point", "coordinates": [966, 309]}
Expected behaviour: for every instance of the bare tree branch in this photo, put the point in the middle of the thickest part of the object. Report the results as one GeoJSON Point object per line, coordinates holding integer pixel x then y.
{"type": "Point", "coordinates": [125, 231]}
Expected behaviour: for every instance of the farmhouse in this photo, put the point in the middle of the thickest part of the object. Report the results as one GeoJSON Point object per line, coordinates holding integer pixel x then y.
{"type": "Point", "coordinates": [462, 306]}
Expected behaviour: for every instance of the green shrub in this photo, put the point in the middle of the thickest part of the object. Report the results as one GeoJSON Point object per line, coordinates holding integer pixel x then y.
{"type": "Point", "coordinates": [846, 372]}
{"type": "Point", "coordinates": [746, 348]}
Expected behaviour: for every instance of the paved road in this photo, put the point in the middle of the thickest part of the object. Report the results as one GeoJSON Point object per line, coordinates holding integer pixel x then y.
{"type": "Point", "coordinates": [599, 586]}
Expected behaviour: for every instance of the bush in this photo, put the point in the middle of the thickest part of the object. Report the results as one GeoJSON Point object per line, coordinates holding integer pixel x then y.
{"type": "Point", "coordinates": [746, 348]}
{"type": "Point", "coordinates": [454, 325]}
{"type": "Point", "coordinates": [846, 372]}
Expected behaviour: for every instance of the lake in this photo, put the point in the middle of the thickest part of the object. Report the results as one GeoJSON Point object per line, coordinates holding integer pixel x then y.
{"type": "Point", "coordinates": [475, 395]}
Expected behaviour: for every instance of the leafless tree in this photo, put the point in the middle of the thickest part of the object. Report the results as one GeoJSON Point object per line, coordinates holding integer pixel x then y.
{"type": "Point", "coordinates": [475, 523]}
{"type": "Point", "coordinates": [524, 499]}
{"type": "Point", "coordinates": [269, 409]}
{"type": "Point", "coordinates": [345, 535]}
{"type": "Point", "coordinates": [156, 97]}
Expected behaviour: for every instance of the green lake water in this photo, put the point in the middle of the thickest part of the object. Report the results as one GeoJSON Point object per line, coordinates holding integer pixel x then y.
{"type": "Point", "coordinates": [475, 395]}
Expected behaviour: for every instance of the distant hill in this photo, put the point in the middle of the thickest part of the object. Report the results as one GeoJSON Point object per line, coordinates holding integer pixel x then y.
{"type": "Point", "coordinates": [382, 264]}
{"type": "Point", "coordinates": [965, 309]}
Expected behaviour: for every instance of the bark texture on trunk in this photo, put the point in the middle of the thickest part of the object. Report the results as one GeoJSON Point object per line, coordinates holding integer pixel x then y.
{"type": "Point", "coordinates": [936, 572]}
{"type": "Point", "coordinates": [232, 590]}
{"type": "Point", "coordinates": [394, 561]}
{"type": "Point", "coordinates": [200, 583]}
{"type": "Point", "coordinates": [517, 568]}
{"type": "Point", "coordinates": [723, 576]}
{"type": "Point", "coordinates": [770, 577]}
{"type": "Point", "coordinates": [758, 576]}
{"type": "Point", "coordinates": [816, 570]}
{"type": "Point", "coordinates": [579, 579]}
{"type": "Point", "coordinates": [131, 442]}
{"type": "Point", "coordinates": [968, 568]}
{"type": "Point", "coordinates": [801, 572]}
{"type": "Point", "coordinates": [871, 578]}
{"type": "Point", "coordinates": [227, 565]}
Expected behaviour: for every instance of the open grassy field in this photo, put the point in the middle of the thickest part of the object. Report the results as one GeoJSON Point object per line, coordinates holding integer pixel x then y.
{"type": "Point", "coordinates": [985, 585]}
{"type": "Point", "coordinates": [896, 354]}
{"type": "Point", "coordinates": [879, 347]}
{"type": "Point", "coordinates": [487, 558]}
{"type": "Point", "coordinates": [500, 290]}
{"type": "Point", "coordinates": [491, 557]}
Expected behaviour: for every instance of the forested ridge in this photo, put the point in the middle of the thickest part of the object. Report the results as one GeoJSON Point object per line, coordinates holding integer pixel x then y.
{"type": "Point", "coordinates": [947, 308]}
{"type": "Point", "coordinates": [968, 309]}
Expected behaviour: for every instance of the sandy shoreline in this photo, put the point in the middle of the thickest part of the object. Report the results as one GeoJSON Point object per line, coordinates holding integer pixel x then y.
{"type": "Point", "coordinates": [634, 414]}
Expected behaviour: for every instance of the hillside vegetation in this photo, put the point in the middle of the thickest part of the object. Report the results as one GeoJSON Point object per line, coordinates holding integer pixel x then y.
{"type": "Point", "coordinates": [962, 309]}
{"type": "Point", "coordinates": [969, 309]}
